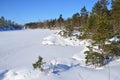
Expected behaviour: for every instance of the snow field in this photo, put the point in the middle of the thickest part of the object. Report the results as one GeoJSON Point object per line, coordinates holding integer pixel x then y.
{"type": "Point", "coordinates": [20, 49]}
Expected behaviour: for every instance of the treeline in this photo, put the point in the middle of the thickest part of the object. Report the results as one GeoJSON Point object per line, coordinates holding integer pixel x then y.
{"type": "Point", "coordinates": [99, 25]}
{"type": "Point", "coordinates": [8, 25]}
{"type": "Point", "coordinates": [77, 20]}
{"type": "Point", "coordinates": [51, 24]}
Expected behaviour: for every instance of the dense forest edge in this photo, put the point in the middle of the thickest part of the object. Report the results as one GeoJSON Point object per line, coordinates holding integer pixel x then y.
{"type": "Point", "coordinates": [99, 25]}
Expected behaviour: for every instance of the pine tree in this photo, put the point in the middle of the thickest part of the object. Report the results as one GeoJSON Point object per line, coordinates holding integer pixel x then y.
{"type": "Point", "coordinates": [83, 11]}
{"type": "Point", "coordinates": [83, 21]}
{"type": "Point", "coordinates": [101, 33]}
{"type": "Point", "coordinates": [76, 19]}
{"type": "Point", "coordinates": [89, 28]}
{"type": "Point", "coordinates": [115, 12]}
{"type": "Point", "coordinates": [102, 23]}
{"type": "Point", "coordinates": [84, 16]}
{"type": "Point", "coordinates": [60, 21]}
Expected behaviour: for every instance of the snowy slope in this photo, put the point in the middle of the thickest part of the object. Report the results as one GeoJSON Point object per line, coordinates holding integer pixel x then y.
{"type": "Point", "coordinates": [19, 49]}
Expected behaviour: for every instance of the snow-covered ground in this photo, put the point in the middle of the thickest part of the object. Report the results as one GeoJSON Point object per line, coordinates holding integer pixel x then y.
{"type": "Point", "coordinates": [56, 39]}
{"type": "Point", "coordinates": [20, 49]}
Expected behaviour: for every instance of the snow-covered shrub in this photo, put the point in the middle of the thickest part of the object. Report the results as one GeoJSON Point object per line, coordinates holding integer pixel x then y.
{"type": "Point", "coordinates": [112, 50]}
{"type": "Point", "coordinates": [115, 40]}
{"type": "Point", "coordinates": [63, 33]}
{"type": "Point", "coordinates": [94, 58]}
{"type": "Point", "coordinates": [103, 55]}
{"type": "Point", "coordinates": [69, 29]}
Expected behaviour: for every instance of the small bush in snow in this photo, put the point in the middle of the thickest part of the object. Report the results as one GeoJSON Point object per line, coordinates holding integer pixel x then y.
{"type": "Point", "coordinates": [94, 58]}
{"type": "Point", "coordinates": [39, 64]}
{"type": "Point", "coordinates": [103, 56]}
{"type": "Point", "coordinates": [112, 50]}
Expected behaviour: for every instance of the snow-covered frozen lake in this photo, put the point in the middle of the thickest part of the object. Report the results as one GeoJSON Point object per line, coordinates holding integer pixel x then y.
{"type": "Point", "coordinates": [20, 49]}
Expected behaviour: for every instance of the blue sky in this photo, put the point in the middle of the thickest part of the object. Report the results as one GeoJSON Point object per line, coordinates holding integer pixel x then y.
{"type": "Point", "coordinates": [23, 11]}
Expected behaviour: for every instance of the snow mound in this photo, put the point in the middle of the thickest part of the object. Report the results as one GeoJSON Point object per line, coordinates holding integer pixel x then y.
{"type": "Point", "coordinates": [55, 39]}
{"type": "Point", "coordinates": [21, 74]}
